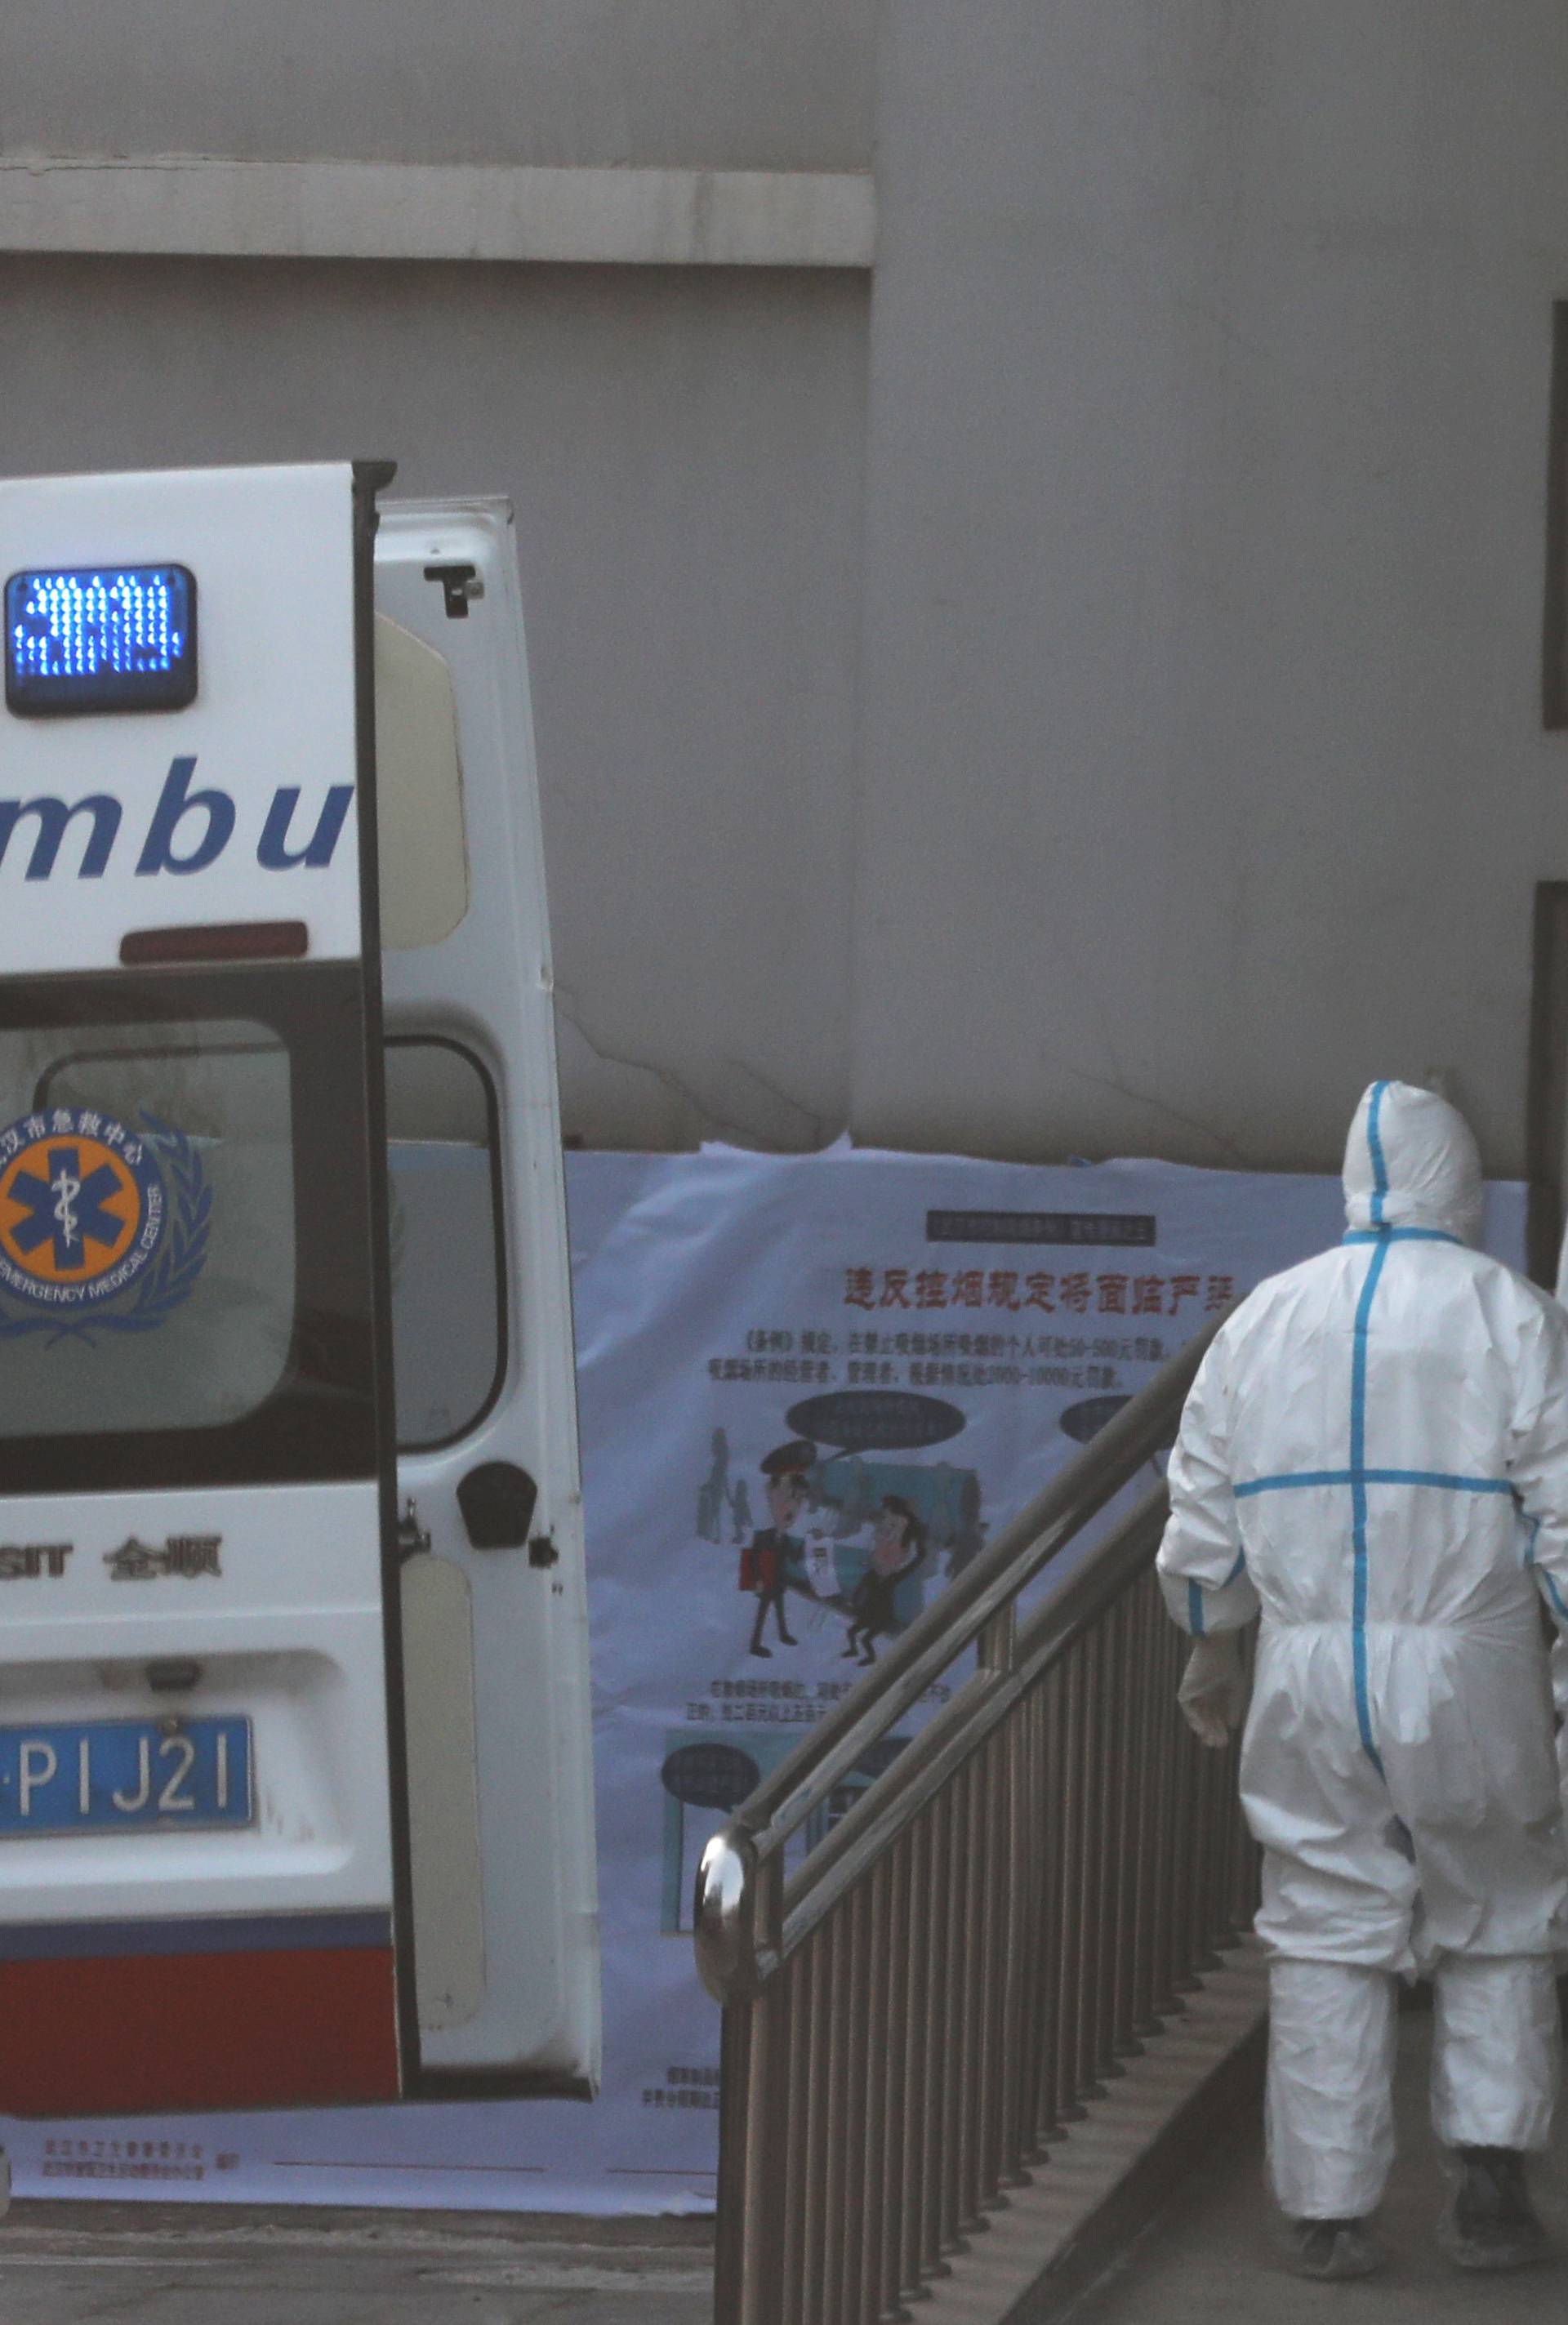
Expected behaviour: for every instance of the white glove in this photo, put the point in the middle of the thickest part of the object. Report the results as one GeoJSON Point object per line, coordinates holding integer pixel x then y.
{"type": "Point", "coordinates": [1213, 1691]}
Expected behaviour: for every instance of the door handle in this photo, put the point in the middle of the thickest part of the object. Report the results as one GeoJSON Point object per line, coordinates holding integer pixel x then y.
{"type": "Point", "coordinates": [412, 1539]}
{"type": "Point", "coordinates": [498, 1501]}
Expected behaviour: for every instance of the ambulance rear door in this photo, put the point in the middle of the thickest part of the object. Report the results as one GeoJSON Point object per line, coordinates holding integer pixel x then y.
{"type": "Point", "coordinates": [203, 1891]}
{"type": "Point", "coordinates": [490, 1509]}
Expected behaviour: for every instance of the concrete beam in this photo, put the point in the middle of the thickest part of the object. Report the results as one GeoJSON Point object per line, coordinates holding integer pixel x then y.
{"type": "Point", "coordinates": [193, 205]}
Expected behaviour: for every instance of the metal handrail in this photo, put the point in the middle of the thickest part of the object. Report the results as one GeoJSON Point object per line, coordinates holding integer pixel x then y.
{"type": "Point", "coordinates": [748, 1918]}
{"type": "Point", "coordinates": [921, 2005]}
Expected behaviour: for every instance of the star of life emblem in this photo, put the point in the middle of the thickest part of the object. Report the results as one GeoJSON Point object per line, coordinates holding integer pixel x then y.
{"type": "Point", "coordinates": [100, 1225]}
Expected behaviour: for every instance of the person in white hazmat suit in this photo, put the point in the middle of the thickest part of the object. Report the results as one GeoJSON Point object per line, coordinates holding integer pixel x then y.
{"type": "Point", "coordinates": [1374, 1456]}
{"type": "Point", "coordinates": [1560, 1652]}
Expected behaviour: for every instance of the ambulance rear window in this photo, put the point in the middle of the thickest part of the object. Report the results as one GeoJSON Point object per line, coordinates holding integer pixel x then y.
{"type": "Point", "coordinates": [184, 1269]}
{"type": "Point", "coordinates": [448, 1284]}
{"type": "Point", "coordinates": [146, 1226]}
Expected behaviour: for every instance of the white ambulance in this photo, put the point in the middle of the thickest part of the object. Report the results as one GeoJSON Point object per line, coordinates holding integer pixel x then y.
{"type": "Point", "coordinates": [295, 1797]}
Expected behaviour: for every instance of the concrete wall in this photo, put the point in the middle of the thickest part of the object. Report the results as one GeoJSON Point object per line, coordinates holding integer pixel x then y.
{"type": "Point", "coordinates": [684, 449]}
{"type": "Point", "coordinates": [1087, 701]}
{"type": "Point", "coordinates": [1202, 759]}
{"type": "Point", "coordinates": [727, 83]}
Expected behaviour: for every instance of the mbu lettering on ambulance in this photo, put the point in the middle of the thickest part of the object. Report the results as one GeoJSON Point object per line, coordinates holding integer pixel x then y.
{"type": "Point", "coordinates": [294, 1798]}
{"type": "Point", "coordinates": [189, 829]}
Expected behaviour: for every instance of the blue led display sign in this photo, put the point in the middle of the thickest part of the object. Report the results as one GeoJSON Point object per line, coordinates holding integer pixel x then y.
{"type": "Point", "coordinates": [107, 637]}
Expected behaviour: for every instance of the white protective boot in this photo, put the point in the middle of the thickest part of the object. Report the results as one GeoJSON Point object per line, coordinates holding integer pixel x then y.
{"type": "Point", "coordinates": [1330, 2108]}
{"type": "Point", "coordinates": [1495, 2066]}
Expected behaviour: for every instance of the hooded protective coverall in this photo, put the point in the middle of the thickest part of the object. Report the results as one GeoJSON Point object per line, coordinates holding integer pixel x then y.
{"type": "Point", "coordinates": [1375, 1455]}
{"type": "Point", "coordinates": [1560, 1653]}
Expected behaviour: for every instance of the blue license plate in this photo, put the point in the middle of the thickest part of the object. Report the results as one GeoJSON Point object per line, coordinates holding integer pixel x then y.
{"type": "Point", "coordinates": [118, 1776]}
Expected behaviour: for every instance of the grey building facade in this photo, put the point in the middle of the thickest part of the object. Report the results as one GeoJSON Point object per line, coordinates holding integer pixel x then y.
{"type": "Point", "coordinates": [1034, 514]}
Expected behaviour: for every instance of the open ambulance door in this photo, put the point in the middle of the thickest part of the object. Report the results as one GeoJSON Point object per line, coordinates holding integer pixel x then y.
{"type": "Point", "coordinates": [490, 1506]}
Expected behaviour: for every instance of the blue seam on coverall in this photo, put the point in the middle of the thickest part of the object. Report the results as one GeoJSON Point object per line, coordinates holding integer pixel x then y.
{"type": "Point", "coordinates": [1357, 1477]}
{"type": "Point", "coordinates": [1359, 1436]}
{"type": "Point", "coordinates": [1401, 1235]}
{"type": "Point", "coordinates": [1195, 1619]}
{"type": "Point", "coordinates": [1374, 1140]}
{"type": "Point", "coordinates": [1289, 1479]}
{"type": "Point", "coordinates": [1556, 1594]}
{"type": "Point", "coordinates": [1358, 1506]}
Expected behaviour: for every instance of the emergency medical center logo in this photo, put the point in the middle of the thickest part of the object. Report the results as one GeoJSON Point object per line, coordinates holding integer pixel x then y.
{"type": "Point", "coordinates": [102, 1227]}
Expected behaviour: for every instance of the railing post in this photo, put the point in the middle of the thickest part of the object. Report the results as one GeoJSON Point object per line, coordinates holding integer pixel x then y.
{"type": "Point", "coordinates": [1120, 1812]}
{"type": "Point", "coordinates": [1051, 2097]}
{"type": "Point", "coordinates": [914, 2245]}
{"type": "Point", "coordinates": [730, 2250]}
{"type": "Point", "coordinates": [1071, 1889]}
{"type": "Point", "coordinates": [1146, 1611]}
{"type": "Point", "coordinates": [955, 1997]}
{"type": "Point", "coordinates": [996, 1649]}
{"type": "Point", "coordinates": [1015, 2028]}
{"type": "Point", "coordinates": [1170, 1735]}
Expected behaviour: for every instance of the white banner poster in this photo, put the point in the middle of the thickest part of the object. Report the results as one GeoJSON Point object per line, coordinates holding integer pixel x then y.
{"type": "Point", "coordinates": [811, 1388]}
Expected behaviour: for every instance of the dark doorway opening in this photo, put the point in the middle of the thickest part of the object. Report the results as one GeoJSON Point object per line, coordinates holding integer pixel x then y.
{"type": "Point", "coordinates": [1546, 1100]}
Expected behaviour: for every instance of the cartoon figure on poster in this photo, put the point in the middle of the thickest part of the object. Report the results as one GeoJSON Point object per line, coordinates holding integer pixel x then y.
{"type": "Point", "coordinates": [774, 1560]}
{"type": "Point", "coordinates": [880, 1527]}
{"type": "Point", "coordinates": [717, 1499]}
{"type": "Point", "coordinates": [897, 1552]}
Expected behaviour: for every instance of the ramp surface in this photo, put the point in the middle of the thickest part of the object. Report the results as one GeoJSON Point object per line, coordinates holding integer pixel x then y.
{"type": "Point", "coordinates": [69, 2264]}
{"type": "Point", "coordinates": [1210, 2260]}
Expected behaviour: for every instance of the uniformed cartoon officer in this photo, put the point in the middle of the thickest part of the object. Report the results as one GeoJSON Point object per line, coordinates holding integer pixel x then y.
{"type": "Point", "coordinates": [774, 1561]}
